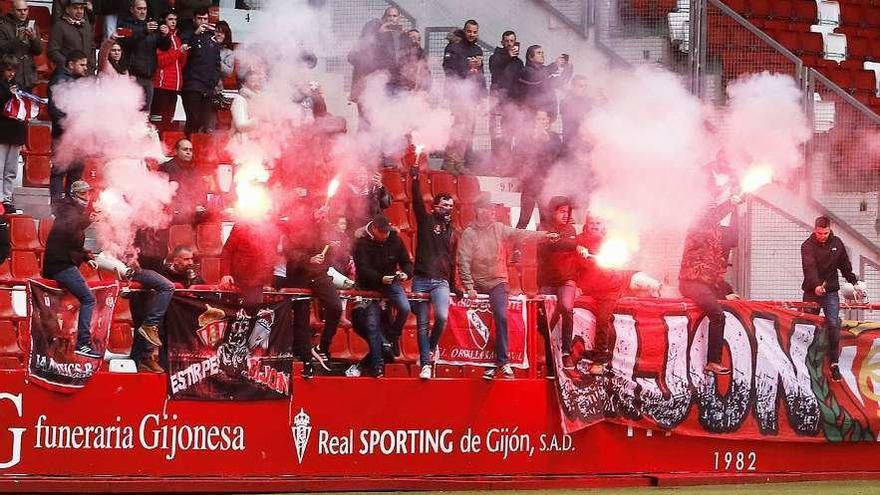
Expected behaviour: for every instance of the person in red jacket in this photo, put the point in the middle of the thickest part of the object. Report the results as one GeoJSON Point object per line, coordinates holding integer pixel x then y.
{"type": "Point", "coordinates": [557, 269]}
{"type": "Point", "coordinates": [169, 73]}
{"type": "Point", "coordinates": [248, 259]}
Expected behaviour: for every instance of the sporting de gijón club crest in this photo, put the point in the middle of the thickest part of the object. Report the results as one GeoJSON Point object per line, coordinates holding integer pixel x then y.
{"type": "Point", "coordinates": [52, 362]}
{"type": "Point", "coordinates": [219, 350]}
{"type": "Point", "coordinates": [779, 389]}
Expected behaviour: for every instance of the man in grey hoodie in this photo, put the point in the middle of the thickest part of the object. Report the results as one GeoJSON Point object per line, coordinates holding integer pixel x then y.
{"type": "Point", "coordinates": [482, 255]}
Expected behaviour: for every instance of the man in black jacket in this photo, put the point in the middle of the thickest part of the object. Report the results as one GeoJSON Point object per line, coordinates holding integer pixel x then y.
{"type": "Point", "coordinates": [434, 268]}
{"type": "Point", "coordinates": [822, 256]}
{"type": "Point", "coordinates": [505, 67]}
{"type": "Point", "coordinates": [538, 82]}
{"type": "Point", "coordinates": [466, 85]}
{"type": "Point", "coordinates": [201, 74]}
{"type": "Point", "coordinates": [65, 252]}
{"type": "Point", "coordinates": [382, 264]}
{"type": "Point", "coordinates": [75, 67]}
{"type": "Point", "coordinates": [180, 267]}
{"type": "Point", "coordinates": [139, 50]}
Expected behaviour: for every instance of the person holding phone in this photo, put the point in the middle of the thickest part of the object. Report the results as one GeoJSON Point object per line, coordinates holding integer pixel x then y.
{"type": "Point", "coordinates": [201, 74]}
{"type": "Point", "coordinates": [505, 67]}
{"type": "Point", "coordinates": [140, 47]}
{"type": "Point", "coordinates": [538, 82]}
{"type": "Point", "coordinates": [168, 79]}
{"type": "Point", "coordinates": [466, 84]}
{"type": "Point", "coordinates": [20, 38]}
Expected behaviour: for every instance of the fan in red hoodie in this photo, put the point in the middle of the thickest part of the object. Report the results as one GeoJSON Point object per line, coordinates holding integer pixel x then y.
{"type": "Point", "coordinates": [169, 74]}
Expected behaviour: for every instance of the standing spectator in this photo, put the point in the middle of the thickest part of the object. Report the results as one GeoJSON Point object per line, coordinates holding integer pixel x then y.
{"type": "Point", "coordinates": [362, 60]}
{"type": "Point", "coordinates": [65, 252]}
{"type": "Point", "coordinates": [247, 260]}
{"type": "Point", "coordinates": [382, 264]}
{"type": "Point", "coordinates": [191, 197]}
{"type": "Point", "coordinates": [110, 59]}
{"type": "Point", "coordinates": [12, 132]}
{"type": "Point", "coordinates": [169, 74]}
{"type": "Point", "coordinates": [558, 269]}
{"type": "Point", "coordinates": [823, 254]}
{"type": "Point", "coordinates": [243, 122]}
{"type": "Point", "coordinates": [538, 82]}
{"type": "Point", "coordinates": [73, 32]}
{"type": "Point", "coordinates": [416, 71]}
{"type": "Point", "coordinates": [223, 36]}
{"type": "Point", "coordinates": [505, 67]}
{"type": "Point", "coordinates": [59, 9]}
{"type": "Point", "coordinates": [535, 153]}
{"type": "Point", "coordinates": [20, 38]}
{"type": "Point", "coordinates": [64, 175]}
{"type": "Point", "coordinates": [703, 265]}
{"type": "Point", "coordinates": [466, 86]}
{"type": "Point", "coordinates": [482, 252]}
{"type": "Point", "coordinates": [434, 268]}
{"type": "Point", "coordinates": [392, 51]}
{"type": "Point", "coordinates": [201, 74]}
{"type": "Point", "coordinates": [188, 10]}
{"type": "Point", "coordinates": [140, 48]}
{"type": "Point", "coordinates": [361, 197]}
{"type": "Point", "coordinates": [180, 267]}
{"type": "Point", "coordinates": [573, 110]}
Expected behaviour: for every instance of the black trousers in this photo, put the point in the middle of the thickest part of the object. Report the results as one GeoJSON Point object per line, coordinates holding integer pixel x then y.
{"type": "Point", "coordinates": [704, 297]}
{"type": "Point", "coordinates": [197, 106]}
{"type": "Point", "coordinates": [164, 104]}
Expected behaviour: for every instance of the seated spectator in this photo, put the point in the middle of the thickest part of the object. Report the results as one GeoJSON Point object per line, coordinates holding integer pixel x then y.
{"type": "Point", "coordinates": [65, 252]}
{"type": "Point", "coordinates": [180, 267]}
{"type": "Point", "coordinates": [12, 133]}
{"type": "Point", "coordinates": [191, 198]}
{"type": "Point", "coordinates": [64, 175]}
{"type": "Point", "coordinates": [538, 82]}
{"type": "Point", "coordinates": [201, 74]}
{"type": "Point", "coordinates": [20, 38]}
{"type": "Point", "coordinates": [382, 264]}
{"type": "Point", "coordinates": [169, 74]}
{"type": "Point", "coordinates": [360, 198]}
{"type": "Point", "coordinates": [140, 47]}
{"type": "Point", "coordinates": [149, 306]}
{"type": "Point", "coordinates": [110, 59]}
{"type": "Point", "coordinates": [72, 33]}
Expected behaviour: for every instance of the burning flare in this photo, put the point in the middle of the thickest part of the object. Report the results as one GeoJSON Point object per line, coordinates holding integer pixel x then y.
{"type": "Point", "coordinates": [614, 253]}
{"type": "Point", "coordinates": [755, 178]}
{"type": "Point", "coordinates": [252, 198]}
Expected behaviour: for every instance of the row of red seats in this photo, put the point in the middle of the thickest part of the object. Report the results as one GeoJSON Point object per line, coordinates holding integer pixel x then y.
{"type": "Point", "coordinates": [800, 11]}
{"type": "Point", "coordinates": [462, 188]}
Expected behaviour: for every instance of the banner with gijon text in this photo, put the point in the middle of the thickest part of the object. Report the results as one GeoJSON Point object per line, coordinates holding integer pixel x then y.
{"type": "Point", "coordinates": [779, 388]}
{"type": "Point", "coordinates": [52, 362]}
{"type": "Point", "coordinates": [471, 334]}
{"type": "Point", "coordinates": [220, 350]}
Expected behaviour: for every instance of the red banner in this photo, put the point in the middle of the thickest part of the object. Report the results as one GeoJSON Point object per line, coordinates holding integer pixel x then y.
{"type": "Point", "coordinates": [778, 388]}
{"type": "Point", "coordinates": [51, 361]}
{"type": "Point", "coordinates": [470, 334]}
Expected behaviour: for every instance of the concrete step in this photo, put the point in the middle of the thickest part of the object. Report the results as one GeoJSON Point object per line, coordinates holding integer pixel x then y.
{"type": "Point", "coordinates": [33, 201]}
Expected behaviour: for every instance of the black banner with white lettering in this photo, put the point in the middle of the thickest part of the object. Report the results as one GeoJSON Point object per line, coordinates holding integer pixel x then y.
{"type": "Point", "coordinates": [220, 350]}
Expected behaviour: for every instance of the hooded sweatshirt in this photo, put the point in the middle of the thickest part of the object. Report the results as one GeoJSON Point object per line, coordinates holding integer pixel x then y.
{"type": "Point", "coordinates": [822, 261]}
{"type": "Point", "coordinates": [558, 261]}
{"type": "Point", "coordinates": [435, 249]}
{"type": "Point", "coordinates": [482, 253]}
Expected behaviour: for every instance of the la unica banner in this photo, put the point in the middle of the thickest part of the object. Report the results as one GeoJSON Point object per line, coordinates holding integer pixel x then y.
{"type": "Point", "coordinates": [779, 388]}
{"type": "Point", "coordinates": [219, 350]}
{"type": "Point", "coordinates": [470, 334]}
{"type": "Point", "coordinates": [52, 362]}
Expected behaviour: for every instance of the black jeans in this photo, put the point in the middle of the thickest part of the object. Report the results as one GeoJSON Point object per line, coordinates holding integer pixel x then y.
{"type": "Point", "coordinates": [704, 297]}
{"type": "Point", "coordinates": [302, 331]}
{"type": "Point", "coordinates": [164, 104]}
{"type": "Point", "coordinates": [197, 106]}
{"type": "Point", "coordinates": [331, 305]}
{"type": "Point", "coordinates": [61, 178]}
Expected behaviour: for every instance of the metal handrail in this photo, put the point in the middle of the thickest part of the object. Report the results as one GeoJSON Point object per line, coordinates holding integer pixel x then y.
{"type": "Point", "coordinates": [580, 28]}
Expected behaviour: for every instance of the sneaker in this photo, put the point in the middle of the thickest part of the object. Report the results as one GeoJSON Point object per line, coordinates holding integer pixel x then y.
{"type": "Point", "coordinates": [87, 351]}
{"type": "Point", "coordinates": [506, 371]}
{"type": "Point", "coordinates": [567, 363]}
{"type": "Point", "coordinates": [489, 374]}
{"type": "Point", "coordinates": [395, 348]}
{"type": "Point", "coordinates": [308, 371]}
{"type": "Point", "coordinates": [353, 371]}
{"type": "Point", "coordinates": [10, 207]}
{"type": "Point", "coordinates": [387, 352]}
{"type": "Point", "coordinates": [151, 334]}
{"type": "Point", "coordinates": [378, 372]}
{"type": "Point", "coordinates": [322, 357]}
{"type": "Point", "coordinates": [716, 368]}
{"type": "Point", "coordinates": [427, 372]}
{"type": "Point", "coordinates": [150, 365]}
{"type": "Point", "coordinates": [835, 372]}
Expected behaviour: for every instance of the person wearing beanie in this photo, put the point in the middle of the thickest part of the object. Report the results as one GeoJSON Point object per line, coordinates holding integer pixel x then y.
{"type": "Point", "coordinates": [65, 252]}
{"type": "Point", "coordinates": [482, 255]}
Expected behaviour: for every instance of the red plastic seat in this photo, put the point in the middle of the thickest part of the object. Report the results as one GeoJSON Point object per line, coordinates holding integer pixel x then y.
{"type": "Point", "coordinates": [204, 149]}
{"type": "Point", "coordinates": [468, 188]}
{"type": "Point", "coordinates": [24, 264]}
{"type": "Point", "coordinates": [788, 39]}
{"type": "Point", "coordinates": [841, 77]}
{"type": "Point", "coordinates": [37, 170]}
{"type": "Point", "coordinates": [396, 184]}
{"type": "Point", "coordinates": [339, 345]}
{"type": "Point", "coordinates": [409, 344]}
{"type": "Point", "coordinates": [120, 338]}
{"type": "Point", "coordinates": [852, 15]}
{"type": "Point", "coordinates": [5, 275]}
{"type": "Point", "coordinates": [180, 234]}
{"type": "Point", "coordinates": [397, 370]}
{"type": "Point", "coordinates": [43, 18]}
{"type": "Point", "coordinates": [44, 228]}
{"type": "Point", "coordinates": [398, 215]}
{"type": "Point", "coordinates": [39, 139]}
{"type": "Point", "coordinates": [9, 337]}
{"type": "Point", "coordinates": [760, 9]}
{"type": "Point", "coordinates": [530, 280]}
{"type": "Point", "coordinates": [444, 182]}
{"type": "Point", "coordinates": [812, 44]}
{"type": "Point", "coordinates": [209, 239]}
{"type": "Point", "coordinates": [857, 47]}
{"type": "Point", "coordinates": [358, 346]}
{"type": "Point", "coordinates": [23, 232]}
{"type": "Point", "coordinates": [864, 81]}
{"type": "Point", "coordinates": [122, 311]}
{"type": "Point", "coordinates": [782, 9]}
{"type": "Point", "coordinates": [805, 10]}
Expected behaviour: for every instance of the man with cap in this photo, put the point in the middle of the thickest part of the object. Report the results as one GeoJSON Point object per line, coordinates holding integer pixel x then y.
{"type": "Point", "coordinates": [482, 255]}
{"type": "Point", "coordinates": [382, 263]}
{"type": "Point", "coordinates": [558, 269]}
{"type": "Point", "coordinates": [65, 252]}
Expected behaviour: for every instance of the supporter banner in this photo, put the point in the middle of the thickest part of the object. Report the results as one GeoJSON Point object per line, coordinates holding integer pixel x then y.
{"type": "Point", "coordinates": [470, 334]}
{"type": "Point", "coordinates": [52, 362]}
{"type": "Point", "coordinates": [218, 350]}
{"type": "Point", "coordinates": [779, 388]}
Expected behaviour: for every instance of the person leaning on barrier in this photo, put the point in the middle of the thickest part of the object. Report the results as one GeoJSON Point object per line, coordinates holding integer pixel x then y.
{"type": "Point", "coordinates": [434, 268]}
{"type": "Point", "coordinates": [823, 254]}
{"type": "Point", "coordinates": [382, 264]}
{"type": "Point", "coordinates": [482, 252]}
{"type": "Point", "coordinates": [65, 252]}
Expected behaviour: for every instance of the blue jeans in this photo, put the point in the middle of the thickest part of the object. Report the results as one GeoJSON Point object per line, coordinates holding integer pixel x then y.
{"type": "Point", "coordinates": [366, 322]}
{"type": "Point", "coordinates": [439, 291]}
{"type": "Point", "coordinates": [565, 296]}
{"type": "Point", "coordinates": [71, 279]}
{"type": "Point", "coordinates": [830, 304]}
{"type": "Point", "coordinates": [157, 305]}
{"type": "Point", "coordinates": [397, 298]}
{"type": "Point", "coordinates": [498, 302]}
